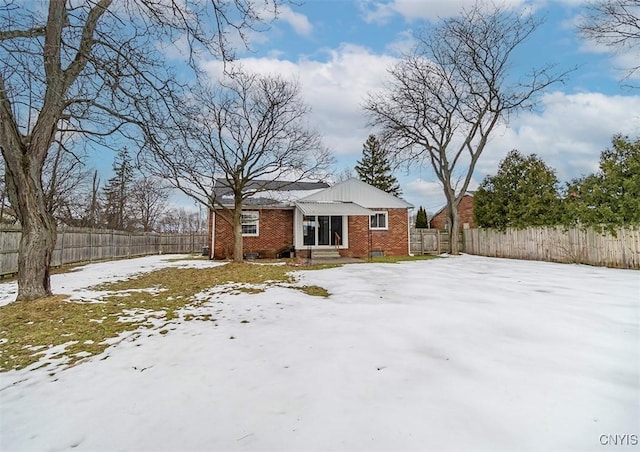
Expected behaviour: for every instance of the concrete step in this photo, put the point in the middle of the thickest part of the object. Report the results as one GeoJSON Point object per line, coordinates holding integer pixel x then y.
{"type": "Point", "coordinates": [325, 254]}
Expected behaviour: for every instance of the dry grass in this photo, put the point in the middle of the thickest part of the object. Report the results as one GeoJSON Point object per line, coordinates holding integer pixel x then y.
{"type": "Point", "coordinates": [151, 300]}
{"type": "Point", "coordinates": [394, 259]}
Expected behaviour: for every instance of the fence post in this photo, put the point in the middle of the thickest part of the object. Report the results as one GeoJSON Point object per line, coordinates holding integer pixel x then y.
{"type": "Point", "coordinates": [62, 249]}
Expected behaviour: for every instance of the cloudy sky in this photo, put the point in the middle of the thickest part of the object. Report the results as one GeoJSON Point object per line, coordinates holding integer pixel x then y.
{"type": "Point", "coordinates": [340, 50]}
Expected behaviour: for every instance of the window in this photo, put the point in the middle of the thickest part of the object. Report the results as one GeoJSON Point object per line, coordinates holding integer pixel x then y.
{"type": "Point", "coordinates": [379, 220]}
{"type": "Point", "coordinates": [250, 223]}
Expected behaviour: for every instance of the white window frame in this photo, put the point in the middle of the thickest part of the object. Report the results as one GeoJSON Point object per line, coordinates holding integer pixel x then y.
{"type": "Point", "coordinates": [249, 218]}
{"type": "Point", "coordinates": [386, 221]}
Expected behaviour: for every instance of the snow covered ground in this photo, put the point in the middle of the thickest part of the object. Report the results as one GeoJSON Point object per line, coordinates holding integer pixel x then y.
{"type": "Point", "coordinates": [463, 353]}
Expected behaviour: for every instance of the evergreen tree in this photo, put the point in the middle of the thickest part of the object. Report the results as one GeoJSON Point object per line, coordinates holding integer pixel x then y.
{"type": "Point", "coordinates": [523, 193]}
{"type": "Point", "coordinates": [610, 197]}
{"type": "Point", "coordinates": [116, 193]}
{"type": "Point", "coordinates": [421, 219]}
{"type": "Point", "coordinates": [375, 168]}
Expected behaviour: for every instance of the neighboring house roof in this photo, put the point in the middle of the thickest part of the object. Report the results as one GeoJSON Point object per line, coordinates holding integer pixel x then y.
{"type": "Point", "coordinates": [357, 192]}
{"type": "Point", "coordinates": [270, 193]}
{"type": "Point", "coordinates": [468, 193]}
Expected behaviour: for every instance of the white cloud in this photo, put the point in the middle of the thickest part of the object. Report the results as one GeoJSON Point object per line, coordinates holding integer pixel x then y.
{"type": "Point", "coordinates": [569, 131]}
{"type": "Point", "coordinates": [299, 22]}
{"type": "Point", "coordinates": [425, 193]}
{"type": "Point", "coordinates": [411, 10]}
{"type": "Point", "coordinates": [405, 42]}
{"type": "Point", "coordinates": [335, 89]}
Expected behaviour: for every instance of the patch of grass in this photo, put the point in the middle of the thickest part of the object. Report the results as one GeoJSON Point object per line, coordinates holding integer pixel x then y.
{"type": "Point", "coordinates": [321, 266]}
{"type": "Point", "coordinates": [394, 259]}
{"type": "Point", "coordinates": [190, 257]}
{"type": "Point", "coordinates": [315, 291]}
{"type": "Point", "coordinates": [150, 300]}
{"type": "Point", "coordinates": [28, 328]}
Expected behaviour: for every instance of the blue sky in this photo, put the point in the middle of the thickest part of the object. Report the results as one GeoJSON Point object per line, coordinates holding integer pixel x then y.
{"type": "Point", "coordinates": [339, 50]}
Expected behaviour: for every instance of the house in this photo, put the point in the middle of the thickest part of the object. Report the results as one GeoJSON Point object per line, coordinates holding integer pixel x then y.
{"type": "Point", "coordinates": [349, 219]}
{"type": "Point", "coordinates": [465, 211]}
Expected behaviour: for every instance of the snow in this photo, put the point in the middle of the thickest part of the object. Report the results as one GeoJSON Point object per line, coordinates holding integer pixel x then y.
{"type": "Point", "coordinates": [77, 282]}
{"type": "Point", "coordinates": [463, 353]}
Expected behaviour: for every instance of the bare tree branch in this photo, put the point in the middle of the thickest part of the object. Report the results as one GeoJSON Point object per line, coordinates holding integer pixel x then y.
{"type": "Point", "coordinates": [238, 137]}
{"type": "Point", "coordinates": [442, 102]}
{"type": "Point", "coordinates": [615, 24]}
{"type": "Point", "coordinates": [96, 68]}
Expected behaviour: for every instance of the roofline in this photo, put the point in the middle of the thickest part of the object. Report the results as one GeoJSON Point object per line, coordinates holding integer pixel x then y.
{"type": "Point", "coordinates": [407, 205]}
{"type": "Point", "coordinates": [445, 206]}
{"type": "Point", "coordinates": [257, 207]}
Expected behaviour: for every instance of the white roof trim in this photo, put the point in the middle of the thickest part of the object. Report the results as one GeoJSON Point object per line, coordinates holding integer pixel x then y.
{"type": "Point", "coordinates": [333, 208]}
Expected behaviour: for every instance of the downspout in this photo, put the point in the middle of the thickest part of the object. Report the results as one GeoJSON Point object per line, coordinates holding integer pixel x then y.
{"type": "Point", "coordinates": [408, 233]}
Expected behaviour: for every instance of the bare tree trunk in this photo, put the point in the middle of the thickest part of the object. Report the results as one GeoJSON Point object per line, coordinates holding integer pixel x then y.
{"type": "Point", "coordinates": [454, 231]}
{"type": "Point", "coordinates": [237, 230]}
{"type": "Point", "coordinates": [3, 196]}
{"type": "Point", "coordinates": [453, 220]}
{"type": "Point", "coordinates": [38, 232]}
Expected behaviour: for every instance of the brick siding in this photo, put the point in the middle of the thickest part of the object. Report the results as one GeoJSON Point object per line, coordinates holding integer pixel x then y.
{"type": "Point", "coordinates": [393, 241]}
{"type": "Point", "coordinates": [465, 210]}
{"type": "Point", "coordinates": [276, 233]}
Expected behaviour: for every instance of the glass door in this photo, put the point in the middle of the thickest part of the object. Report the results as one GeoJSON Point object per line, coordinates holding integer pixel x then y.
{"type": "Point", "coordinates": [336, 231]}
{"type": "Point", "coordinates": [323, 230]}
{"type": "Point", "coordinates": [309, 230]}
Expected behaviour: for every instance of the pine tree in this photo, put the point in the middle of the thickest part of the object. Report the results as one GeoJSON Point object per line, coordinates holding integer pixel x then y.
{"type": "Point", "coordinates": [611, 196]}
{"type": "Point", "coordinates": [375, 168]}
{"type": "Point", "coordinates": [523, 193]}
{"type": "Point", "coordinates": [421, 219]}
{"type": "Point", "coordinates": [116, 193]}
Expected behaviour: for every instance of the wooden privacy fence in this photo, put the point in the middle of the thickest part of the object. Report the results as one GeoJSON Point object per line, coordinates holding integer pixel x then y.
{"type": "Point", "coordinates": [429, 241]}
{"type": "Point", "coordinates": [581, 246]}
{"type": "Point", "coordinates": [85, 245]}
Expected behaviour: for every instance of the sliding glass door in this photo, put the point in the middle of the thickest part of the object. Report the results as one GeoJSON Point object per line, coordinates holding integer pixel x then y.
{"type": "Point", "coordinates": [322, 230]}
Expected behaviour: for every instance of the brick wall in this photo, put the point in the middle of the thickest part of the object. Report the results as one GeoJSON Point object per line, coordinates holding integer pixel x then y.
{"type": "Point", "coordinates": [275, 233]}
{"type": "Point", "coordinates": [465, 210]}
{"type": "Point", "coordinates": [394, 241]}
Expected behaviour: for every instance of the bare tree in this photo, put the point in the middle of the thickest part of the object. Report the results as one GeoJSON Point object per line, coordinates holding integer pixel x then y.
{"type": "Point", "coordinates": [148, 201]}
{"type": "Point", "coordinates": [93, 69]}
{"type": "Point", "coordinates": [5, 215]}
{"type": "Point", "coordinates": [88, 210]}
{"type": "Point", "coordinates": [346, 173]}
{"type": "Point", "coordinates": [238, 137]}
{"type": "Point", "coordinates": [64, 177]}
{"type": "Point", "coordinates": [615, 24]}
{"type": "Point", "coordinates": [180, 221]}
{"type": "Point", "coordinates": [442, 102]}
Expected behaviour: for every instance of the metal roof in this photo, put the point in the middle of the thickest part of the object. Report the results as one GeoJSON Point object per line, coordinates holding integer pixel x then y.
{"type": "Point", "coordinates": [337, 208]}
{"type": "Point", "coordinates": [358, 192]}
